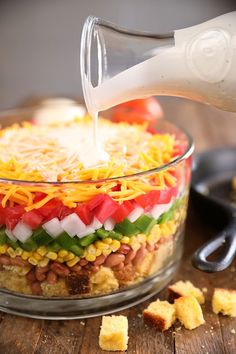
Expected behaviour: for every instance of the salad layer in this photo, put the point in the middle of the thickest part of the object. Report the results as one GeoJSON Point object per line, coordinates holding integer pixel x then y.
{"type": "Point", "coordinates": [107, 261]}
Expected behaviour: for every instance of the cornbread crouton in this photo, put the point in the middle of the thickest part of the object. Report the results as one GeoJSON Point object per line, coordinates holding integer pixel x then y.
{"type": "Point", "coordinates": [224, 301]}
{"type": "Point", "coordinates": [114, 333]}
{"type": "Point", "coordinates": [103, 281]}
{"type": "Point", "coordinates": [189, 312]}
{"type": "Point", "coordinates": [161, 314]}
{"type": "Point", "coordinates": [185, 288]}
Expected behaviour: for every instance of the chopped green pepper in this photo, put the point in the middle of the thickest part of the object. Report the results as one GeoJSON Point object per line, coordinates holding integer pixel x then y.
{"type": "Point", "coordinates": [145, 223]}
{"type": "Point", "coordinates": [165, 217]}
{"type": "Point", "coordinates": [115, 235]}
{"type": "Point", "coordinates": [102, 233]}
{"type": "Point", "coordinates": [77, 250]}
{"type": "Point", "coordinates": [87, 240]}
{"type": "Point", "coordinates": [29, 245]}
{"type": "Point", "coordinates": [3, 236]}
{"type": "Point", "coordinates": [126, 228]}
{"type": "Point", "coordinates": [65, 241]}
{"type": "Point", "coordinates": [54, 247]}
{"type": "Point", "coordinates": [13, 244]}
{"type": "Point", "coordinates": [41, 237]}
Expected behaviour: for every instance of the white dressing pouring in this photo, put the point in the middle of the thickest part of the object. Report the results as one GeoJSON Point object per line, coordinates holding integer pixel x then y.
{"type": "Point", "coordinates": [201, 65]}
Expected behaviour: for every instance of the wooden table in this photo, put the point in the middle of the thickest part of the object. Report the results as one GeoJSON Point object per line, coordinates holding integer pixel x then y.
{"type": "Point", "coordinates": [210, 128]}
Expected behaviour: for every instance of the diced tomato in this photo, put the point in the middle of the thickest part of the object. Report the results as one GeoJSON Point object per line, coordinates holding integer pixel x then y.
{"type": "Point", "coordinates": [49, 208]}
{"type": "Point", "coordinates": [106, 209]}
{"type": "Point", "coordinates": [32, 218]}
{"type": "Point", "coordinates": [84, 213]}
{"type": "Point", "coordinates": [13, 215]}
{"type": "Point", "coordinates": [116, 188]}
{"type": "Point", "coordinates": [148, 200]}
{"type": "Point", "coordinates": [39, 196]}
{"type": "Point", "coordinates": [123, 210]}
{"type": "Point", "coordinates": [166, 195]}
{"type": "Point", "coordinates": [64, 211]}
{"type": "Point", "coordinates": [96, 201]}
{"type": "Point", "coordinates": [2, 215]}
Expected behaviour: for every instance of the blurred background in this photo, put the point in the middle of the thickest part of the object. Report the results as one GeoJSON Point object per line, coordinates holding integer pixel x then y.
{"type": "Point", "coordinates": [40, 39]}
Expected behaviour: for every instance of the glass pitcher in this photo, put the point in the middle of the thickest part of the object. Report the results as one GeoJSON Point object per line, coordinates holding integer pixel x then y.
{"type": "Point", "coordinates": [197, 63]}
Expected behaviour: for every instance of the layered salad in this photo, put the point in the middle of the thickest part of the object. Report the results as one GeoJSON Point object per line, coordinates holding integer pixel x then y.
{"type": "Point", "coordinates": [72, 228]}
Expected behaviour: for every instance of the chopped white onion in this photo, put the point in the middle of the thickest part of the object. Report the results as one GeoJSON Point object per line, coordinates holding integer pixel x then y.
{"type": "Point", "coordinates": [53, 227]}
{"type": "Point", "coordinates": [72, 224]}
{"type": "Point", "coordinates": [95, 224]}
{"type": "Point", "coordinates": [86, 232]}
{"type": "Point", "coordinates": [135, 214]}
{"type": "Point", "coordinates": [22, 231]}
{"type": "Point", "coordinates": [159, 209]}
{"type": "Point", "coordinates": [109, 224]}
{"type": "Point", "coordinates": [10, 235]}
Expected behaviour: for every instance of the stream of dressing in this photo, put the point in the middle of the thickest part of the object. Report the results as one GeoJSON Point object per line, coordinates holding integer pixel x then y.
{"type": "Point", "coordinates": [200, 66]}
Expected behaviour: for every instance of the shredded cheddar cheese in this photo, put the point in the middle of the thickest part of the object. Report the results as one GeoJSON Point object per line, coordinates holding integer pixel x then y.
{"type": "Point", "coordinates": [50, 154]}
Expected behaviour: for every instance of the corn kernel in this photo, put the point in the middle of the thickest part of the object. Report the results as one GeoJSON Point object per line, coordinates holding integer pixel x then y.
{"type": "Point", "coordinates": [62, 253]}
{"type": "Point", "coordinates": [32, 260]}
{"type": "Point", "coordinates": [52, 255]}
{"type": "Point", "coordinates": [25, 255]}
{"type": "Point", "coordinates": [125, 240]}
{"type": "Point", "coordinates": [3, 249]}
{"type": "Point", "coordinates": [90, 258]}
{"type": "Point", "coordinates": [135, 245]}
{"type": "Point", "coordinates": [100, 245]}
{"type": "Point", "coordinates": [73, 262]}
{"type": "Point", "coordinates": [43, 263]}
{"type": "Point", "coordinates": [69, 257]}
{"type": "Point", "coordinates": [115, 245]}
{"type": "Point", "coordinates": [11, 252]}
{"type": "Point", "coordinates": [98, 252]}
{"type": "Point", "coordinates": [18, 251]}
{"type": "Point", "coordinates": [141, 238]}
{"type": "Point", "coordinates": [106, 252]}
{"type": "Point", "coordinates": [60, 260]}
{"type": "Point", "coordinates": [42, 250]}
{"type": "Point", "coordinates": [37, 256]}
{"type": "Point", "coordinates": [107, 241]}
{"type": "Point", "coordinates": [91, 249]}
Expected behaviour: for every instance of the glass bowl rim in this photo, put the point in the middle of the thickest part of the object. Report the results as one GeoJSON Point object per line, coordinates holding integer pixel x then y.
{"type": "Point", "coordinates": [187, 153]}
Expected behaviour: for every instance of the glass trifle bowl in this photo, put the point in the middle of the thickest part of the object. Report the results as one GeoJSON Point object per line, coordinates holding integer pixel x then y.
{"type": "Point", "coordinates": [79, 241]}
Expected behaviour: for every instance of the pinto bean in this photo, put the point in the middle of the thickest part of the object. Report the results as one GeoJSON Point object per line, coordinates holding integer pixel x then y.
{"type": "Point", "coordinates": [157, 245]}
{"type": "Point", "coordinates": [150, 248]}
{"type": "Point", "coordinates": [140, 255]}
{"type": "Point", "coordinates": [124, 249]}
{"type": "Point", "coordinates": [36, 288]}
{"type": "Point", "coordinates": [60, 269]}
{"type": "Point", "coordinates": [31, 276]}
{"type": "Point", "coordinates": [40, 272]}
{"type": "Point", "coordinates": [5, 260]}
{"type": "Point", "coordinates": [76, 268]}
{"type": "Point", "coordinates": [130, 256]}
{"type": "Point", "coordinates": [51, 277]}
{"type": "Point", "coordinates": [119, 266]}
{"type": "Point", "coordinates": [83, 262]}
{"type": "Point", "coordinates": [99, 260]}
{"type": "Point", "coordinates": [114, 259]}
{"type": "Point", "coordinates": [94, 269]}
{"type": "Point", "coordinates": [18, 261]}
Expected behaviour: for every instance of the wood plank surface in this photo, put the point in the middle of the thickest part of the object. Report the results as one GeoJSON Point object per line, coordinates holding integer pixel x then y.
{"type": "Point", "coordinates": [210, 128]}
